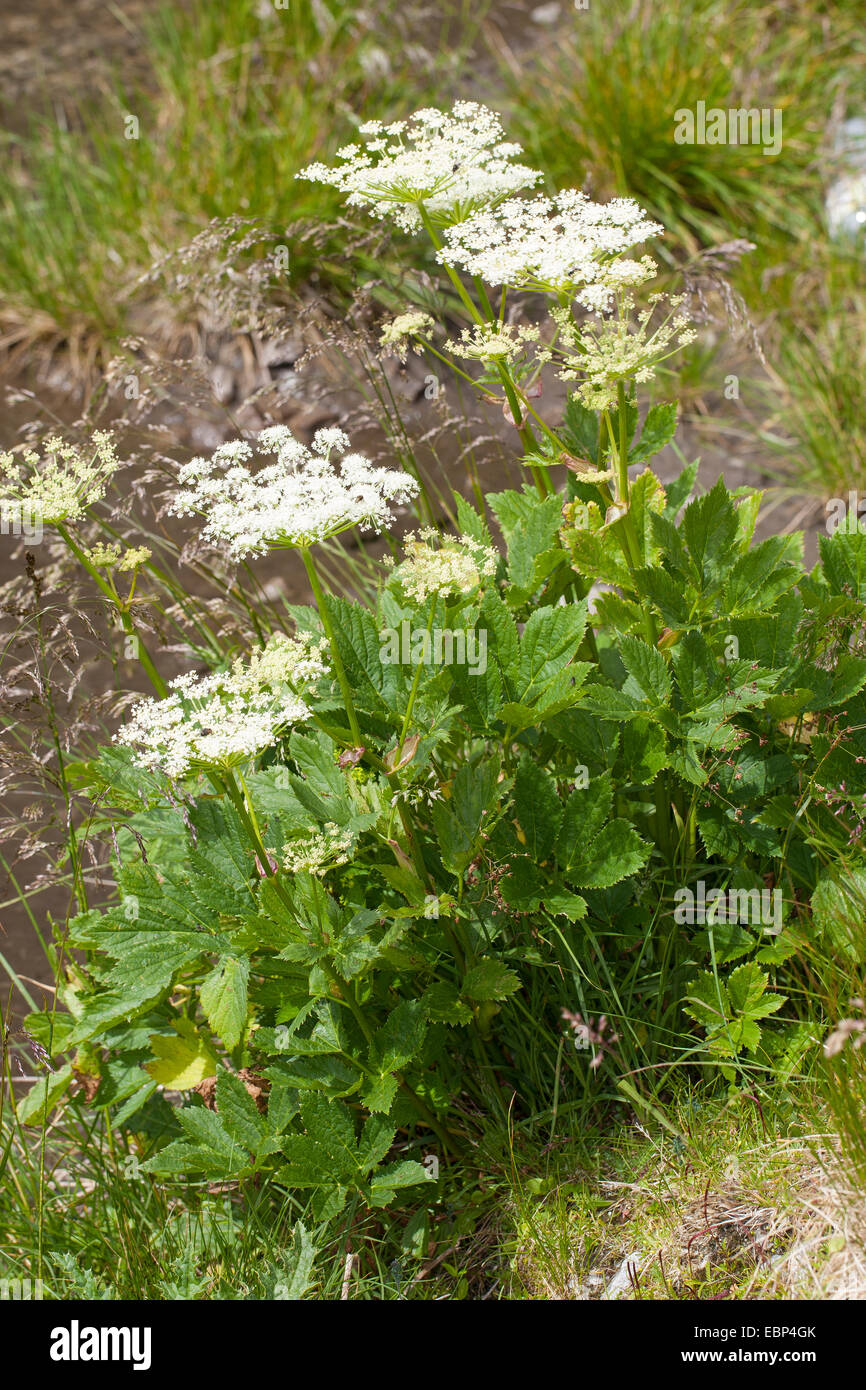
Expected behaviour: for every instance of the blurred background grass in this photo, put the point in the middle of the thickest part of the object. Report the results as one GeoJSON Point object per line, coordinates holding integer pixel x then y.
{"type": "Point", "coordinates": [232, 100]}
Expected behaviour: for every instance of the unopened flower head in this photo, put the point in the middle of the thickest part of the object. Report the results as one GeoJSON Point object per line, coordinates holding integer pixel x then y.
{"type": "Point", "coordinates": [494, 342]}
{"type": "Point", "coordinates": [219, 721]}
{"type": "Point", "coordinates": [443, 565]}
{"type": "Point", "coordinates": [317, 851]}
{"type": "Point", "coordinates": [559, 244]}
{"type": "Point", "coordinates": [111, 556]}
{"type": "Point", "coordinates": [299, 499]}
{"type": "Point", "coordinates": [602, 352]}
{"type": "Point", "coordinates": [452, 163]}
{"type": "Point", "coordinates": [398, 333]}
{"type": "Point", "coordinates": [61, 484]}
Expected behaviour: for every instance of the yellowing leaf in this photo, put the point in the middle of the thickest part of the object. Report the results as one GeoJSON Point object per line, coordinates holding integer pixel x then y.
{"type": "Point", "coordinates": [182, 1062]}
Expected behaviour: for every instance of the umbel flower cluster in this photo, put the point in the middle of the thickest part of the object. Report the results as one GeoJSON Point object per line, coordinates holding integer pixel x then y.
{"type": "Point", "coordinates": [317, 851]}
{"type": "Point", "coordinates": [451, 163]}
{"type": "Point", "coordinates": [63, 483]}
{"type": "Point", "coordinates": [599, 356]}
{"type": "Point", "coordinates": [492, 342]}
{"type": "Point", "coordinates": [450, 173]}
{"type": "Point", "coordinates": [299, 499]}
{"type": "Point", "coordinates": [114, 557]}
{"type": "Point", "coordinates": [563, 244]}
{"type": "Point", "coordinates": [219, 721]}
{"type": "Point", "coordinates": [456, 565]}
{"type": "Point", "coordinates": [398, 332]}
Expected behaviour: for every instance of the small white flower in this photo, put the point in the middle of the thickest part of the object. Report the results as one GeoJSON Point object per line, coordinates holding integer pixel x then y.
{"type": "Point", "coordinates": [451, 163]}
{"type": "Point", "coordinates": [220, 721]}
{"type": "Point", "coordinates": [298, 500]}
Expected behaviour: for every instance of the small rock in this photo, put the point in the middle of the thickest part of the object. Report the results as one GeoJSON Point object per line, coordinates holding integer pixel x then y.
{"type": "Point", "coordinates": [622, 1281]}
{"type": "Point", "coordinates": [546, 14]}
{"type": "Point", "coordinates": [283, 352]}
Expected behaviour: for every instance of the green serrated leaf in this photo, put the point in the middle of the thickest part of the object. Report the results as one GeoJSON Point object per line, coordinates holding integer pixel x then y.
{"type": "Point", "coordinates": [648, 674]}
{"type": "Point", "coordinates": [659, 428]}
{"type": "Point", "coordinates": [489, 979]}
{"type": "Point", "coordinates": [709, 528]}
{"type": "Point", "coordinates": [586, 812]}
{"type": "Point", "coordinates": [442, 1004]}
{"type": "Point", "coordinates": [223, 997]}
{"type": "Point", "coordinates": [182, 1061]}
{"type": "Point", "coordinates": [458, 822]}
{"type": "Point", "coordinates": [238, 1111]}
{"type": "Point", "coordinates": [539, 810]}
{"type": "Point", "coordinates": [614, 854]}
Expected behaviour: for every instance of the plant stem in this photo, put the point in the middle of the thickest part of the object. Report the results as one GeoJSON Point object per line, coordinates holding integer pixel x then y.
{"type": "Point", "coordinates": [322, 605]}
{"type": "Point", "coordinates": [247, 816]}
{"type": "Point", "coordinates": [248, 820]}
{"type": "Point", "coordinates": [630, 547]}
{"type": "Point", "coordinates": [622, 452]}
{"type": "Point", "coordinates": [527, 438]}
{"type": "Point", "coordinates": [143, 654]}
{"type": "Point", "coordinates": [415, 684]}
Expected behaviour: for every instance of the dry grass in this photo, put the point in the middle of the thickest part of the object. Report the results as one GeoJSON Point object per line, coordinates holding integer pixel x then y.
{"type": "Point", "coordinates": [729, 1214]}
{"type": "Point", "coordinates": [827, 1257]}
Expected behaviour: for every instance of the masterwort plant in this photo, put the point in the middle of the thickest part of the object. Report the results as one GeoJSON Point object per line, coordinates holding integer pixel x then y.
{"type": "Point", "coordinates": [362, 901]}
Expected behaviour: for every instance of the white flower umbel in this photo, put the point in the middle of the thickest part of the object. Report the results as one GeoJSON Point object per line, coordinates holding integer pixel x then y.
{"type": "Point", "coordinates": [493, 342]}
{"type": "Point", "coordinates": [318, 851]}
{"type": "Point", "coordinates": [601, 353]}
{"type": "Point", "coordinates": [298, 500]}
{"type": "Point", "coordinates": [560, 244]}
{"type": "Point", "coordinates": [398, 332]}
{"type": "Point", "coordinates": [451, 163]}
{"type": "Point", "coordinates": [60, 485]}
{"type": "Point", "coordinates": [219, 721]}
{"type": "Point", "coordinates": [457, 565]}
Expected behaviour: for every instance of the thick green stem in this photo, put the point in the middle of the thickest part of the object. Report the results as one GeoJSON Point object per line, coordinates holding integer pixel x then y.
{"type": "Point", "coordinates": [247, 818]}
{"type": "Point", "coordinates": [415, 684]}
{"type": "Point", "coordinates": [434, 236]}
{"type": "Point", "coordinates": [339, 669]}
{"type": "Point", "coordinates": [527, 438]}
{"type": "Point", "coordinates": [630, 547]}
{"type": "Point", "coordinates": [540, 476]}
{"type": "Point", "coordinates": [622, 452]}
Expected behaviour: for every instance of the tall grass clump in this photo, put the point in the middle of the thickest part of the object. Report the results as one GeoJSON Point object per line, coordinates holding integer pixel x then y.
{"type": "Point", "coordinates": [238, 98]}
{"type": "Point", "coordinates": [602, 103]}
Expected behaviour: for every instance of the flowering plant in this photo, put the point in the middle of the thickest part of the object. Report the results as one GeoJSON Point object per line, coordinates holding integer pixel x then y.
{"type": "Point", "coordinates": [382, 894]}
{"type": "Point", "coordinates": [436, 165]}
